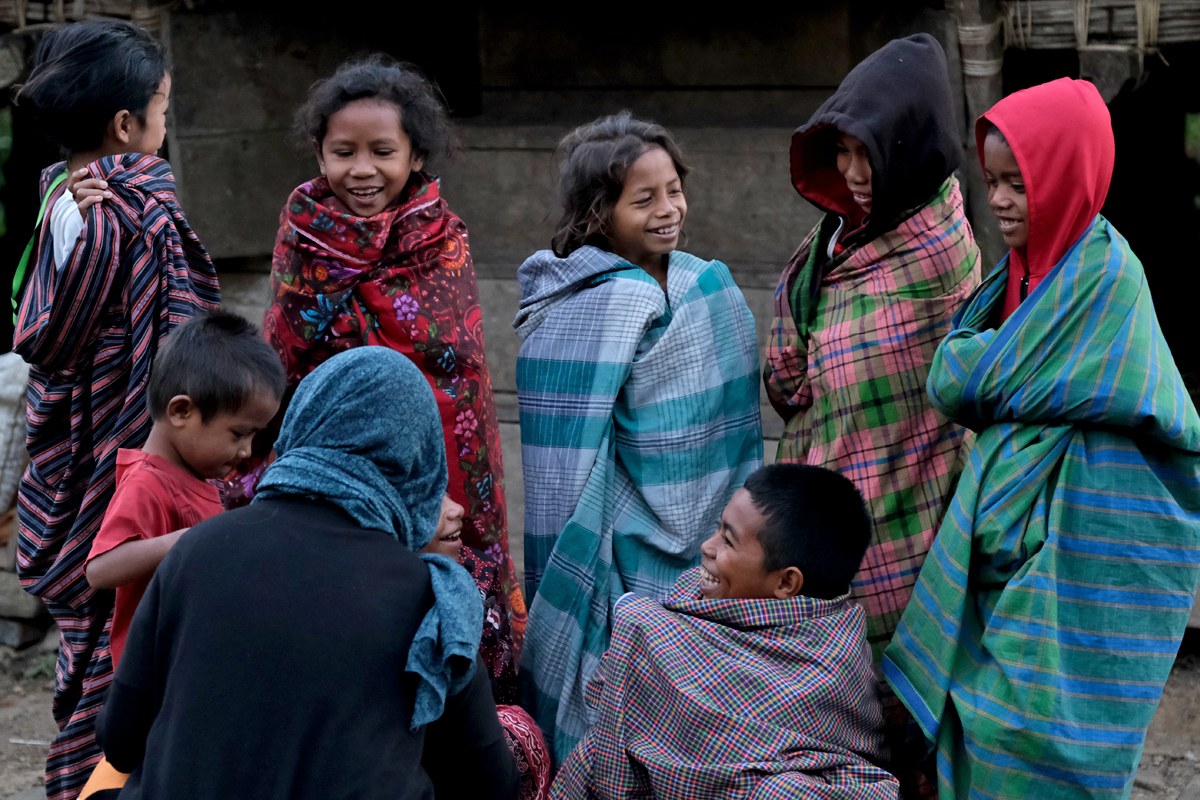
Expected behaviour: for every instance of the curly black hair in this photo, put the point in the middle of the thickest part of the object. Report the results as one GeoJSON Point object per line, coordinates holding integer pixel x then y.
{"type": "Point", "coordinates": [591, 174]}
{"type": "Point", "coordinates": [83, 74]}
{"type": "Point", "coordinates": [422, 114]}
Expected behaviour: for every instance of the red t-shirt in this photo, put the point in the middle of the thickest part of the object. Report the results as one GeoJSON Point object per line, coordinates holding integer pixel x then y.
{"type": "Point", "coordinates": [152, 498]}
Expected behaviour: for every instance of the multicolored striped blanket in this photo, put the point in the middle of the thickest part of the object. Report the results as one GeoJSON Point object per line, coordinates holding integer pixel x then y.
{"type": "Point", "coordinates": [1049, 612]}
{"type": "Point", "coordinates": [90, 329]}
{"type": "Point", "coordinates": [732, 698]}
{"type": "Point", "coordinates": [847, 359]}
{"type": "Point", "coordinates": [639, 420]}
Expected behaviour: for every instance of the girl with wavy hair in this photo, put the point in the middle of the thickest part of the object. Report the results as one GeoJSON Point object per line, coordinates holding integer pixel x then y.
{"type": "Point", "coordinates": [637, 381]}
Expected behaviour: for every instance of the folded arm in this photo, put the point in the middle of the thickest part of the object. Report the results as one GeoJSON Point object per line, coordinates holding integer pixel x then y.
{"type": "Point", "coordinates": [569, 373]}
{"type": "Point", "coordinates": [130, 561]}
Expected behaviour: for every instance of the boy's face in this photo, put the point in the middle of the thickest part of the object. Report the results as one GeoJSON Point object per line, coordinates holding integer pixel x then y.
{"type": "Point", "coordinates": [732, 559]}
{"type": "Point", "coordinates": [213, 449]}
{"type": "Point", "coordinates": [1006, 191]}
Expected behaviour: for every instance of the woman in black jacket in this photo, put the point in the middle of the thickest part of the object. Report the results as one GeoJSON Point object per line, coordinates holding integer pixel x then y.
{"type": "Point", "coordinates": [300, 647]}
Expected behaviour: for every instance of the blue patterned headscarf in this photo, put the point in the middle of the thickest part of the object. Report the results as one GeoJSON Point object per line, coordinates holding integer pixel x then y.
{"type": "Point", "coordinates": [363, 432]}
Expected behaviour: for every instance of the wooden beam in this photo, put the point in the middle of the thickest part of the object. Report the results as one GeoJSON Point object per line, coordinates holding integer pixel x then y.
{"type": "Point", "coordinates": [982, 57]}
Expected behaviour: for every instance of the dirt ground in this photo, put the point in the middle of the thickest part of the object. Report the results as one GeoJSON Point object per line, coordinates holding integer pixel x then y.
{"type": "Point", "coordinates": [26, 691]}
{"type": "Point", "coordinates": [1170, 768]}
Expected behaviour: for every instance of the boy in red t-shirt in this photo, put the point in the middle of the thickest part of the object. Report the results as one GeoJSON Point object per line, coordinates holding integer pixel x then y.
{"type": "Point", "coordinates": [214, 384]}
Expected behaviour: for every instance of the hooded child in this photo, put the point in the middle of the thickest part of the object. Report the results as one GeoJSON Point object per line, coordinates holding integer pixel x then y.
{"type": "Point", "coordinates": [1049, 612]}
{"type": "Point", "coordinates": [638, 386]}
{"type": "Point", "coordinates": [99, 289]}
{"type": "Point", "coordinates": [753, 677]}
{"type": "Point", "coordinates": [863, 305]}
{"type": "Point", "coordinates": [371, 254]}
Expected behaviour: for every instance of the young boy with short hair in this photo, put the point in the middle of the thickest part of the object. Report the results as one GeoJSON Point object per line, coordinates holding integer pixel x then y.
{"type": "Point", "coordinates": [754, 674]}
{"type": "Point", "coordinates": [213, 385]}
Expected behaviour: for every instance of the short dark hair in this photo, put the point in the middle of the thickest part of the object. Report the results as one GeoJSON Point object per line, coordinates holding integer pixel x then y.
{"type": "Point", "coordinates": [594, 159]}
{"type": "Point", "coordinates": [84, 73]}
{"type": "Point", "coordinates": [217, 359]}
{"type": "Point", "coordinates": [815, 521]}
{"type": "Point", "coordinates": [422, 115]}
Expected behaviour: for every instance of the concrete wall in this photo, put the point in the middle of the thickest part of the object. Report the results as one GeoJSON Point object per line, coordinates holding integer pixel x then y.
{"type": "Point", "coordinates": [732, 92]}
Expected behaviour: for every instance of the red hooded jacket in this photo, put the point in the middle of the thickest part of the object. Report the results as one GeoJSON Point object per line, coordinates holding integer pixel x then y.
{"type": "Point", "coordinates": [1061, 135]}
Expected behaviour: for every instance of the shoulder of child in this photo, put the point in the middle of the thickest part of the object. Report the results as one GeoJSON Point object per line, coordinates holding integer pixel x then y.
{"type": "Point", "coordinates": [142, 507]}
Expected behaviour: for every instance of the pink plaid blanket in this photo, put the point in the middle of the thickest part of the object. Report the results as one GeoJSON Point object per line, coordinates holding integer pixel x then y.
{"type": "Point", "coordinates": [847, 359]}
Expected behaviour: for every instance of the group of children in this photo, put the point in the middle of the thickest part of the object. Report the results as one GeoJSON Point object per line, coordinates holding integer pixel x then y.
{"type": "Point", "coordinates": [784, 657]}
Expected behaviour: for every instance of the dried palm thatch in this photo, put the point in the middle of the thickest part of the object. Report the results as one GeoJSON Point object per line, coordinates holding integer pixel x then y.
{"type": "Point", "coordinates": [1140, 25]}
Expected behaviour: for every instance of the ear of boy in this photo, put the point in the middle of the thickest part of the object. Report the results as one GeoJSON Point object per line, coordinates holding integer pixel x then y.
{"type": "Point", "coordinates": [179, 409]}
{"type": "Point", "coordinates": [788, 582]}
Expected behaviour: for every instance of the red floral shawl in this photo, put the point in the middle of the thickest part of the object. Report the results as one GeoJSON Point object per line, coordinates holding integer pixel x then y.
{"type": "Point", "coordinates": [401, 279]}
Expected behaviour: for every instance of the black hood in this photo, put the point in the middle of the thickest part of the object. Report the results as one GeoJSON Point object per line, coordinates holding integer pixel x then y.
{"type": "Point", "coordinates": [897, 102]}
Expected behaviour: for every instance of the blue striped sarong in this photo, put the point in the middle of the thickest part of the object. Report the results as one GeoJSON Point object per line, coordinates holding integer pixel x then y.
{"type": "Point", "coordinates": [1047, 617]}
{"type": "Point", "coordinates": [639, 420]}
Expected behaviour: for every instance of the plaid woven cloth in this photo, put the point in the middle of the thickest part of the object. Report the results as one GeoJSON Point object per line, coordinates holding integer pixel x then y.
{"type": "Point", "coordinates": [732, 698]}
{"type": "Point", "coordinates": [1048, 615]}
{"type": "Point", "coordinates": [639, 420]}
{"type": "Point", "coordinates": [847, 359]}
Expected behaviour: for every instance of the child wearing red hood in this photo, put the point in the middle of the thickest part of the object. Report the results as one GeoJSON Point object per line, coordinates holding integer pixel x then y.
{"type": "Point", "coordinates": [1047, 616]}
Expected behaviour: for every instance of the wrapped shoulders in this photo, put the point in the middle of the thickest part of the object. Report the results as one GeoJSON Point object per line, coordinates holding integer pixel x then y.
{"type": "Point", "coordinates": [714, 269]}
{"type": "Point", "coordinates": [630, 292]}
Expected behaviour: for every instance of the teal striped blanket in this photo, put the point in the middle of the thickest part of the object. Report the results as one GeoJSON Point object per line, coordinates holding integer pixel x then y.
{"type": "Point", "coordinates": [1048, 614]}
{"type": "Point", "coordinates": [639, 420]}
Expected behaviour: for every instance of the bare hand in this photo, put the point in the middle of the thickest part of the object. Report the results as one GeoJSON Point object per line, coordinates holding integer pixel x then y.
{"type": "Point", "coordinates": [87, 191]}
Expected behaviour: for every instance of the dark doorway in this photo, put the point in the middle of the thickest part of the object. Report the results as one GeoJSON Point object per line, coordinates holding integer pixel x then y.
{"type": "Point", "coordinates": [1155, 191]}
{"type": "Point", "coordinates": [1154, 200]}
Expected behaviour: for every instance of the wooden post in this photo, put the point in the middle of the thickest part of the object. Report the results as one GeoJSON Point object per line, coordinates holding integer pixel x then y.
{"type": "Point", "coordinates": [982, 58]}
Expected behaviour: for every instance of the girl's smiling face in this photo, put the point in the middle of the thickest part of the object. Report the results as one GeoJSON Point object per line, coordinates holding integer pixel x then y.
{"type": "Point", "coordinates": [447, 540]}
{"type": "Point", "coordinates": [650, 211]}
{"type": "Point", "coordinates": [366, 155]}
{"type": "Point", "coordinates": [1006, 190]}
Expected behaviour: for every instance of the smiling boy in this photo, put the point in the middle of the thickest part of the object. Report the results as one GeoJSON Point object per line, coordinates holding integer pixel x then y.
{"type": "Point", "coordinates": [754, 675]}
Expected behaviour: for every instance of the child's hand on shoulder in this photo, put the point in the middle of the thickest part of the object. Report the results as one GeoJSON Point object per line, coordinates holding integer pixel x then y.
{"type": "Point", "coordinates": [87, 191]}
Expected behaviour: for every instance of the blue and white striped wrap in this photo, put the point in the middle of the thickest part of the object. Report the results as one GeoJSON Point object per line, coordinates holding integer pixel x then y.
{"type": "Point", "coordinates": [639, 420]}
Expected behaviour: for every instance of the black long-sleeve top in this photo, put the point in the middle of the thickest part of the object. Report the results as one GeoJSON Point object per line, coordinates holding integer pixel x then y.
{"type": "Point", "coordinates": [266, 660]}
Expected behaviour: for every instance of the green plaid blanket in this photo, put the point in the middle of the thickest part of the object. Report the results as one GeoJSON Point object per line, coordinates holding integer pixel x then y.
{"type": "Point", "coordinates": [847, 359]}
{"type": "Point", "coordinates": [1048, 614]}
